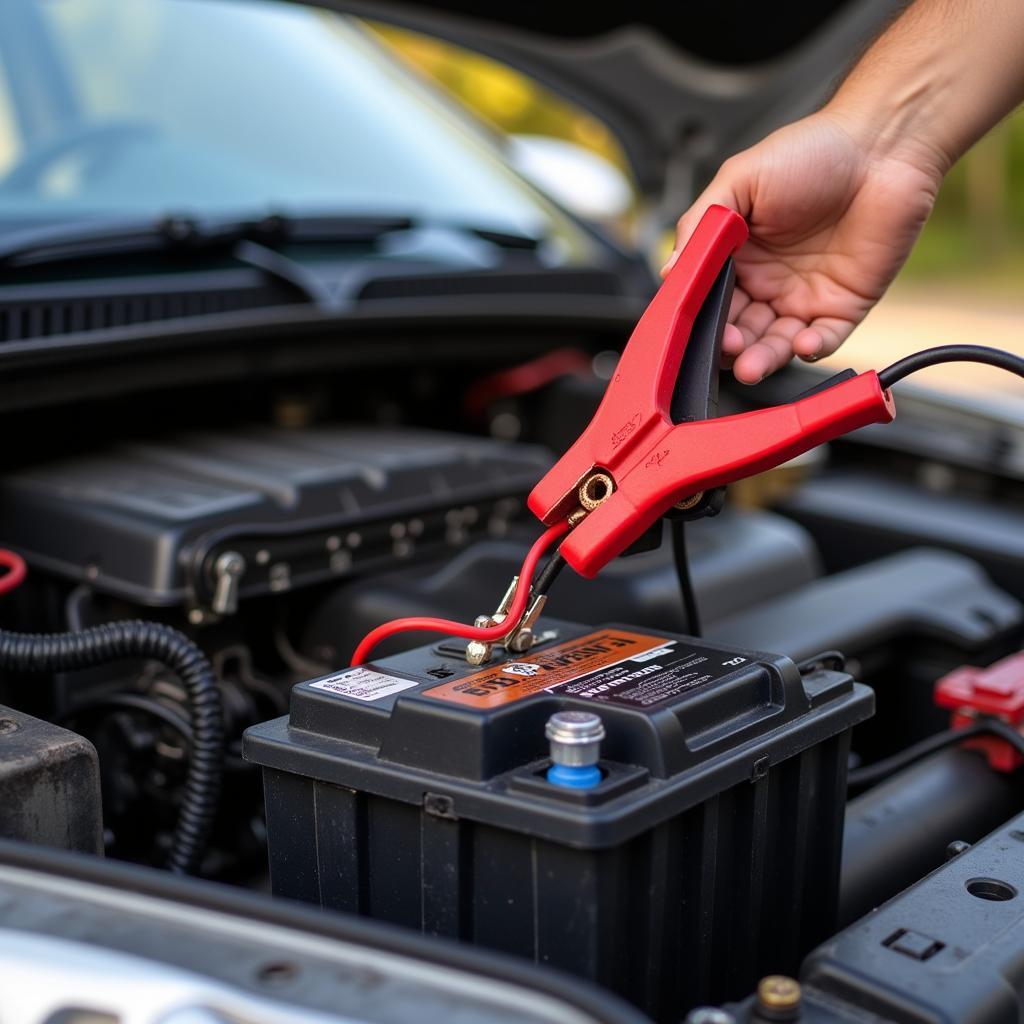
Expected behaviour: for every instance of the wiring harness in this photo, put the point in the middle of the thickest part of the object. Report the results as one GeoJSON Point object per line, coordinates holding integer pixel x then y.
{"type": "Point", "coordinates": [113, 641]}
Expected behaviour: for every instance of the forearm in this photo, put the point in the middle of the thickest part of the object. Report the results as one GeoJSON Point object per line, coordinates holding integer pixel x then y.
{"type": "Point", "coordinates": [939, 78]}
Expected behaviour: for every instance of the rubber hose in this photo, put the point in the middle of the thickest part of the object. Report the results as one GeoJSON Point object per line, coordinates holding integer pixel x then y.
{"type": "Point", "coordinates": [62, 652]}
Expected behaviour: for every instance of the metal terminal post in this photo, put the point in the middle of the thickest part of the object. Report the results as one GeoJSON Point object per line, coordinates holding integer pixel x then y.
{"type": "Point", "coordinates": [575, 742]}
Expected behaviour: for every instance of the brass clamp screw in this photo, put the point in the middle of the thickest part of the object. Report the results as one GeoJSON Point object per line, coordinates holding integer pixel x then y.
{"type": "Point", "coordinates": [595, 490]}
{"type": "Point", "coordinates": [778, 997]}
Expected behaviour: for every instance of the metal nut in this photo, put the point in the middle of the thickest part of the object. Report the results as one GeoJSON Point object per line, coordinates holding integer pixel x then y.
{"type": "Point", "coordinates": [522, 641]}
{"type": "Point", "coordinates": [477, 652]}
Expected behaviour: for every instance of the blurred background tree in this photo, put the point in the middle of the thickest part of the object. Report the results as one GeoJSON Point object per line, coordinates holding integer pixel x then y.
{"type": "Point", "coordinates": [510, 101]}
{"type": "Point", "coordinates": [964, 281]}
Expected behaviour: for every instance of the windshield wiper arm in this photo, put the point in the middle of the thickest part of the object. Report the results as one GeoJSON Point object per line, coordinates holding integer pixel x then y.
{"type": "Point", "coordinates": [255, 242]}
{"type": "Point", "coordinates": [131, 237]}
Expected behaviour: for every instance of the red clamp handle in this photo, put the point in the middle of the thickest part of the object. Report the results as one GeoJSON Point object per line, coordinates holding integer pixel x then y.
{"type": "Point", "coordinates": [653, 463]}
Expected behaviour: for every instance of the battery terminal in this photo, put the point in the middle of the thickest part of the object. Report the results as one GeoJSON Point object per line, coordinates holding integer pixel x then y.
{"type": "Point", "coordinates": [520, 637]}
{"type": "Point", "coordinates": [575, 741]}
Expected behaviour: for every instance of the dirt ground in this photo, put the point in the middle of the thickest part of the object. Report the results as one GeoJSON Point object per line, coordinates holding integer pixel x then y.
{"type": "Point", "coordinates": [910, 318]}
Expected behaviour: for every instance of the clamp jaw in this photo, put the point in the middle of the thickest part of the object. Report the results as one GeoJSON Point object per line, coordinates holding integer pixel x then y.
{"type": "Point", "coordinates": [654, 444]}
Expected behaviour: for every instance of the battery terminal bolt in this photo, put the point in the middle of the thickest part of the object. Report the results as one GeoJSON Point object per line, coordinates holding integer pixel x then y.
{"type": "Point", "coordinates": [575, 741]}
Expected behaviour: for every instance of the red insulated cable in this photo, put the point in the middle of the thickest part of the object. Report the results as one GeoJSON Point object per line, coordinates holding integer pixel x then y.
{"type": "Point", "coordinates": [16, 570]}
{"type": "Point", "coordinates": [488, 634]}
{"type": "Point", "coordinates": [527, 377]}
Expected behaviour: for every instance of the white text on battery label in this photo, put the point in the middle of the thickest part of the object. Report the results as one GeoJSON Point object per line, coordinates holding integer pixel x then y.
{"type": "Point", "coordinates": [363, 684]}
{"type": "Point", "coordinates": [735, 661]}
{"type": "Point", "coordinates": [658, 652]}
{"type": "Point", "coordinates": [616, 683]}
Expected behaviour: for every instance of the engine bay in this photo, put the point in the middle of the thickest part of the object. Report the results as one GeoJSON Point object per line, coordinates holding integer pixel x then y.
{"type": "Point", "coordinates": [730, 828]}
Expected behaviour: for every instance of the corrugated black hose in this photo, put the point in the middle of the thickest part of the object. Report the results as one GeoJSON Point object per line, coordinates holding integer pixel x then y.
{"type": "Point", "coordinates": [63, 652]}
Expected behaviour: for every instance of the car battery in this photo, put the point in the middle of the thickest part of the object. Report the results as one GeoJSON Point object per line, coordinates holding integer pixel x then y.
{"type": "Point", "coordinates": [701, 852]}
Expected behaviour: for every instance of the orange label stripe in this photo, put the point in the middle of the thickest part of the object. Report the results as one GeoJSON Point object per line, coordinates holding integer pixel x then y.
{"type": "Point", "coordinates": [534, 673]}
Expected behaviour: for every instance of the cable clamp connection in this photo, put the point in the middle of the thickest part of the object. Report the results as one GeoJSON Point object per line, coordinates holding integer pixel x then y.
{"type": "Point", "coordinates": [519, 638]}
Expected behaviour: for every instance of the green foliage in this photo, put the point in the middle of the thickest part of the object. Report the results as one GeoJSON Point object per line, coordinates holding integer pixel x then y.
{"type": "Point", "coordinates": [975, 236]}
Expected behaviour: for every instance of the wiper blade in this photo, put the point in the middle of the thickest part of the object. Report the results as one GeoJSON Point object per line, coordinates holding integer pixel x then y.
{"type": "Point", "coordinates": [255, 242]}
{"type": "Point", "coordinates": [132, 237]}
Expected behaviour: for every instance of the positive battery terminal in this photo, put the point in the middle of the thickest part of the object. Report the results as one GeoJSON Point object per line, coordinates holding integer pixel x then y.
{"type": "Point", "coordinates": [520, 637]}
{"type": "Point", "coordinates": [575, 748]}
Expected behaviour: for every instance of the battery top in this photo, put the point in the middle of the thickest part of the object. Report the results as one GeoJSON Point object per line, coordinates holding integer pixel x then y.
{"type": "Point", "coordinates": [668, 702]}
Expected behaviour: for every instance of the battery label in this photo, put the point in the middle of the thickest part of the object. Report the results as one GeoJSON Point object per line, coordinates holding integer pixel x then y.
{"type": "Point", "coordinates": [611, 666]}
{"type": "Point", "coordinates": [363, 684]}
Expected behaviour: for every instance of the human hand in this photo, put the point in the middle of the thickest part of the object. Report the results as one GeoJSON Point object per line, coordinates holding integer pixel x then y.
{"type": "Point", "coordinates": [833, 215]}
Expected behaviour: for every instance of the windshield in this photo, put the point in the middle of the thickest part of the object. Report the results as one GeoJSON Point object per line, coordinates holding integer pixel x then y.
{"type": "Point", "coordinates": [229, 107]}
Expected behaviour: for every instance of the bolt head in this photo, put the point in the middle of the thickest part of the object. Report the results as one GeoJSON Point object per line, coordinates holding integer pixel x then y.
{"type": "Point", "coordinates": [478, 653]}
{"type": "Point", "coordinates": [522, 641]}
{"type": "Point", "coordinates": [957, 847]}
{"type": "Point", "coordinates": [778, 992]}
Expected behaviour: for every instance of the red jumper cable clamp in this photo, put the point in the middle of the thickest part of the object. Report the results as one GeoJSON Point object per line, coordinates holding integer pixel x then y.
{"type": "Point", "coordinates": [655, 446]}
{"type": "Point", "coordinates": [996, 692]}
{"type": "Point", "coordinates": [651, 446]}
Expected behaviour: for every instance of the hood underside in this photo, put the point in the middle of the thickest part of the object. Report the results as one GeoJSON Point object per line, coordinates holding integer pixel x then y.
{"type": "Point", "coordinates": [682, 86]}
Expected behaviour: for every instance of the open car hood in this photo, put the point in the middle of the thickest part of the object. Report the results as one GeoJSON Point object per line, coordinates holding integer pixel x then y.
{"type": "Point", "coordinates": [683, 86]}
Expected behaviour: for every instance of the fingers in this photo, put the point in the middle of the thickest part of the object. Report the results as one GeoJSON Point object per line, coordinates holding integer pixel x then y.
{"type": "Point", "coordinates": [770, 349]}
{"type": "Point", "coordinates": [759, 343]}
{"type": "Point", "coordinates": [733, 342]}
{"type": "Point", "coordinates": [821, 337]}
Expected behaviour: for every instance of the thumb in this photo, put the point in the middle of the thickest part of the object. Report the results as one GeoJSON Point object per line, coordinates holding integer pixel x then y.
{"type": "Point", "coordinates": [731, 187]}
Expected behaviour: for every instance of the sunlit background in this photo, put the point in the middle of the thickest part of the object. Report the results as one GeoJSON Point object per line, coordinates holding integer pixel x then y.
{"type": "Point", "coordinates": [964, 282]}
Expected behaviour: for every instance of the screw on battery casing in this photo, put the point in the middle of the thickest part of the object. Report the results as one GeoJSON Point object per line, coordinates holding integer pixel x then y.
{"type": "Point", "coordinates": [575, 738]}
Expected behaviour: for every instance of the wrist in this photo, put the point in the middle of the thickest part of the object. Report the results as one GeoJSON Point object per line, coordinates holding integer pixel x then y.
{"type": "Point", "coordinates": [901, 123]}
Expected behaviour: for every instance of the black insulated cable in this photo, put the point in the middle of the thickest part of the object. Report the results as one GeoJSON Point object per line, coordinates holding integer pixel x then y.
{"type": "Point", "coordinates": [834, 660]}
{"type": "Point", "coordinates": [871, 774]}
{"type": "Point", "coordinates": [64, 652]}
{"type": "Point", "coordinates": [548, 575]}
{"type": "Point", "coordinates": [951, 354]}
{"type": "Point", "coordinates": [682, 563]}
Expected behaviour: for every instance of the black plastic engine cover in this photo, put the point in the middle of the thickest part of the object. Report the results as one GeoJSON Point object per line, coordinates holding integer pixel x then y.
{"type": "Point", "coordinates": [148, 521]}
